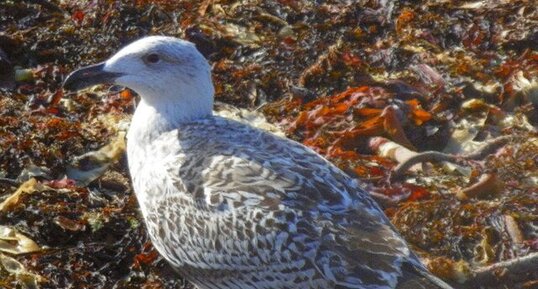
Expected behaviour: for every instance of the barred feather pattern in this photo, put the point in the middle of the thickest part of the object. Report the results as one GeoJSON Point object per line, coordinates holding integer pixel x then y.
{"type": "Point", "coordinates": [231, 206]}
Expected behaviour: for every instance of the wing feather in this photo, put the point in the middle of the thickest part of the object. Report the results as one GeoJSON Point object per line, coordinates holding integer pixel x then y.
{"type": "Point", "coordinates": [275, 205]}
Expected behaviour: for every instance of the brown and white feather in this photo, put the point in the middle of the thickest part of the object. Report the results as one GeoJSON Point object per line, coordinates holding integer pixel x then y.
{"type": "Point", "coordinates": [233, 207]}
{"type": "Point", "coordinates": [238, 201]}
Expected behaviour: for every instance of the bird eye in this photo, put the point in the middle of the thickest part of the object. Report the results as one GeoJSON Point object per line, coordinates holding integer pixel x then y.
{"type": "Point", "coordinates": [152, 58]}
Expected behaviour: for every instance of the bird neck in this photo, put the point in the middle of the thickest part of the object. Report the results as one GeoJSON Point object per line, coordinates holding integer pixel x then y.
{"type": "Point", "coordinates": [156, 115]}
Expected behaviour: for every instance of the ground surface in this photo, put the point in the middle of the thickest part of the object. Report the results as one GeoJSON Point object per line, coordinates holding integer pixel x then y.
{"type": "Point", "coordinates": [368, 85]}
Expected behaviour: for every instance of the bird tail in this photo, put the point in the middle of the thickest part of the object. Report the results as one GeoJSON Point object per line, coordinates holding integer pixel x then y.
{"type": "Point", "coordinates": [415, 278]}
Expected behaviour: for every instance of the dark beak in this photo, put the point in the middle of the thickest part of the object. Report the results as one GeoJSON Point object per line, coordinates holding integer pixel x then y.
{"type": "Point", "coordinates": [88, 76]}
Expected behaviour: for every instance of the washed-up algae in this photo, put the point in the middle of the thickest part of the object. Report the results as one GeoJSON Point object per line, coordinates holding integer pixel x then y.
{"type": "Point", "coordinates": [446, 77]}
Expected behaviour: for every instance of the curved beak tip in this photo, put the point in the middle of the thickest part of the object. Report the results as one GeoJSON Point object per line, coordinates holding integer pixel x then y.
{"type": "Point", "coordinates": [89, 76]}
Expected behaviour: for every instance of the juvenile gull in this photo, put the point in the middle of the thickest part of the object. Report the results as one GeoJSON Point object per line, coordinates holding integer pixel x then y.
{"type": "Point", "coordinates": [232, 206]}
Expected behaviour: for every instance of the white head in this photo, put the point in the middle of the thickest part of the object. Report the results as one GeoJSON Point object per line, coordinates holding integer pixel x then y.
{"type": "Point", "coordinates": [168, 73]}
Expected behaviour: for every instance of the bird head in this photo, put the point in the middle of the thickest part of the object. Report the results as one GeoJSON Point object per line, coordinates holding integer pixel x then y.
{"type": "Point", "coordinates": [162, 70]}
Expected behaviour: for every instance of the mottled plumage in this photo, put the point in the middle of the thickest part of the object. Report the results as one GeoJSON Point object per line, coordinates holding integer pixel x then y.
{"type": "Point", "coordinates": [231, 206]}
